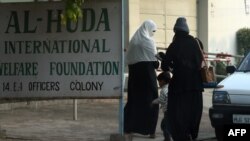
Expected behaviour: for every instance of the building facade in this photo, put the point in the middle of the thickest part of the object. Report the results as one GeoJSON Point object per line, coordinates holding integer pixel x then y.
{"type": "Point", "coordinates": [219, 20]}
{"type": "Point", "coordinates": [214, 22]}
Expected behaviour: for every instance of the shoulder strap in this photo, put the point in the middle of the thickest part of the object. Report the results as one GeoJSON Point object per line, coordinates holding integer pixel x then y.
{"type": "Point", "coordinates": [203, 58]}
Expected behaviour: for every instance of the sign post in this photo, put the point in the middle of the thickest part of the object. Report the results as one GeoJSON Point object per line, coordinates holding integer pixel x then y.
{"type": "Point", "coordinates": [121, 106]}
{"type": "Point", "coordinates": [42, 58]}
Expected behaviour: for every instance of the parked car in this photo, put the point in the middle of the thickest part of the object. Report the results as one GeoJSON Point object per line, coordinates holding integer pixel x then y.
{"type": "Point", "coordinates": [231, 99]}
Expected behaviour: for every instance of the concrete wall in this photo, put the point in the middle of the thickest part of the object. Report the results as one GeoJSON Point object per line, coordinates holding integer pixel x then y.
{"type": "Point", "coordinates": [155, 10]}
{"type": "Point", "coordinates": [224, 18]}
{"type": "Point", "coordinates": [177, 8]}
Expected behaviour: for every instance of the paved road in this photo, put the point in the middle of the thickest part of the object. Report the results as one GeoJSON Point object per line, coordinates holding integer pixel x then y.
{"type": "Point", "coordinates": [97, 120]}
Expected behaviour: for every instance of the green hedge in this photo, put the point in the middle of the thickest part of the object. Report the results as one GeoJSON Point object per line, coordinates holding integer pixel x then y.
{"type": "Point", "coordinates": [243, 40]}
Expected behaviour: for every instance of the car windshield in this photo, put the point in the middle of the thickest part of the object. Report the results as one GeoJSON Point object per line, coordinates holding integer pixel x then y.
{"type": "Point", "coordinates": [245, 64]}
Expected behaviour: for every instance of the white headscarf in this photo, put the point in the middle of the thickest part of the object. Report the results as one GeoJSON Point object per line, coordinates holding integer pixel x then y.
{"type": "Point", "coordinates": [142, 46]}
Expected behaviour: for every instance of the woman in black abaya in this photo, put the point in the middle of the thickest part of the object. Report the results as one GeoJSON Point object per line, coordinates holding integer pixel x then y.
{"type": "Point", "coordinates": [140, 116]}
{"type": "Point", "coordinates": [184, 58]}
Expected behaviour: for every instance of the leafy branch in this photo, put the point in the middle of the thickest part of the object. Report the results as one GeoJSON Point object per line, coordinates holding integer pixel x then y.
{"type": "Point", "coordinates": [73, 10]}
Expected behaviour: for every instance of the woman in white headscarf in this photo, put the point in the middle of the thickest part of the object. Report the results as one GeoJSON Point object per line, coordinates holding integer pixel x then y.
{"type": "Point", "coordinates": [140, 116]}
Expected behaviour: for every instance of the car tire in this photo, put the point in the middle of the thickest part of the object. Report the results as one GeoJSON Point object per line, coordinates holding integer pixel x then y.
{"type": "Point", "coordinates": [219, 133]}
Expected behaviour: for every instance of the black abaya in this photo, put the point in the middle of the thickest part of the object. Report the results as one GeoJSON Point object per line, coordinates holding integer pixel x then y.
{"type": "Point", "coordinates": [184, 114]}
{"type": "Point", "coordinates": [184, 57]}
{"type": "Point", "coordinates": [140, 116]}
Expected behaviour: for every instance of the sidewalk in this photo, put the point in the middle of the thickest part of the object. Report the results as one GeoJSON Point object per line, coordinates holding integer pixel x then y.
{"type": "Point", "coordinates": [97, 120]}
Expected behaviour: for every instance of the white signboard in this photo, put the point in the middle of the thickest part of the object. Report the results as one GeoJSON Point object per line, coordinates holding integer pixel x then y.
{"type": "Point", "coordinates": [42, 58]}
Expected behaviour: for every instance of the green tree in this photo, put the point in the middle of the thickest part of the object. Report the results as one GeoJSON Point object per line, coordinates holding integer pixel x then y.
{"type": "Point", "coordinates": [73, 10]}
{"type": "Point", "coordinates": [243, 40]}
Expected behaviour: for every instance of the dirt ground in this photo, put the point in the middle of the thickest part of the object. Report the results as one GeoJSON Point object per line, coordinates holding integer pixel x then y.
{"type": "Point", "coordinates": [97, 120]}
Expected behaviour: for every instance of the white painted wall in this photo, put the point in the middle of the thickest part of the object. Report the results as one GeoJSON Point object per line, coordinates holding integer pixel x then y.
{"type": "Point", "coordinates": [225, 18]}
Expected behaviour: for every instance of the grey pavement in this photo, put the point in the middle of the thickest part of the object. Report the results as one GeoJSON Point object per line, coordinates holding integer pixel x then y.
{"type": "Point", "coordinates": [96, 121]}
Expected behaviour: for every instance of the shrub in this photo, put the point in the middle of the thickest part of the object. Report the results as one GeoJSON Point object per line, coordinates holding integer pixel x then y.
{"type": "Point", "coordinates": [221, 68]}
{"type": "Point", "coordinates": [243, 41]}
